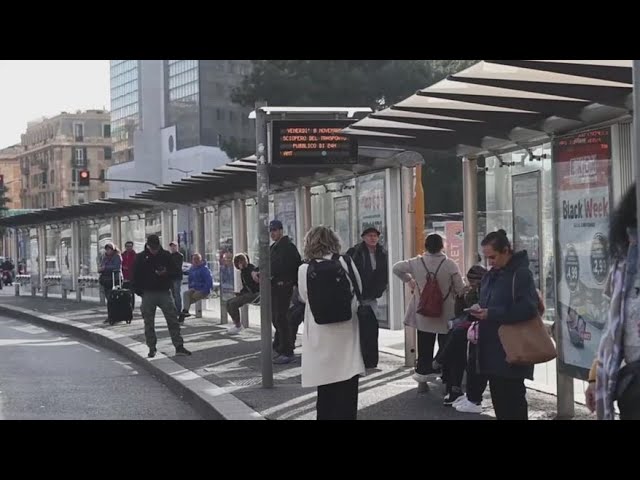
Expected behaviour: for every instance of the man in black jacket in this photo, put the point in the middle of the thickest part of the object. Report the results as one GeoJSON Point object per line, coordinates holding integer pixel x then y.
{"type": "Point", "coordinates": [249, 293]}
{"type": "Point", "coordinates": [285, 260]}
{"type": "Point", "coordinates": [372, 262]}
{"type": "Point", "coordinates": [152, 272]}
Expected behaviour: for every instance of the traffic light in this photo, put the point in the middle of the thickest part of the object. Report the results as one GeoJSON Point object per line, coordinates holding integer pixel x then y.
{"type": "Point", "coordinates": [83, 178]}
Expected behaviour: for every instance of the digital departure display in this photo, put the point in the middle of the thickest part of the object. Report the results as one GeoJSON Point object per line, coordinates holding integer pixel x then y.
{"type": "Point", "coordinates": [312, 142]}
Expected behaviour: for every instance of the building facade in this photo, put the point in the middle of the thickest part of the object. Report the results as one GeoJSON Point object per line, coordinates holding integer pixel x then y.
{"type": "Point", "coordinates": [184, 123]}
{"type": "Point", "coordinates": [10, 169]}
{"type": "Point", "coordinates": [54, 151]}
{"type": "Point", "coordinates": [198, 103]}
{"type": "Point", "coordinates": [174, 118]}
{"type": "Point", "coordinates": [125, 107]}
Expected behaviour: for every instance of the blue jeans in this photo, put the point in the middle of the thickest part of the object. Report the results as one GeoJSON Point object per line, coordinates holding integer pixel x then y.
{"type": "Point", "coordinates": [176, 286]}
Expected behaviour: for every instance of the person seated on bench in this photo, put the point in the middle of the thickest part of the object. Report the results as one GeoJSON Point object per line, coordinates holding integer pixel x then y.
{"type": "Point", "coordinates": [200, 285]}
{"type": "Point", "coordinates": [249, 293]}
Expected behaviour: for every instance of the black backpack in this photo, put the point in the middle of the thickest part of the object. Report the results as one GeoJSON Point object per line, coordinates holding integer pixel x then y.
{"type": "Point", "coordinates": [329, 291]}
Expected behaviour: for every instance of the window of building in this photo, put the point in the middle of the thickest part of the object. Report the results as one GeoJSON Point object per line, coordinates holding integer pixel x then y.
{"type": "Point", "coordinates": [106, 130]}
{"type": "Point", "coordinates": [52, 177]}
{"type": "Point", "coordinates": [78, 130]}
{"type": "Point", "coordinates": [218, 114]}
{"type": "Point", "coordinates": [107, 153]}
{"type": "Point", "coordinates": [230, 116]}
{"type": "Point", "coordinates": [79, 158]}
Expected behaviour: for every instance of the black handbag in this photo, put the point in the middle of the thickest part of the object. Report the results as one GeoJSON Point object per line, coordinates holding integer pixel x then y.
{"type": "Point", "coordinates": [368, 325]}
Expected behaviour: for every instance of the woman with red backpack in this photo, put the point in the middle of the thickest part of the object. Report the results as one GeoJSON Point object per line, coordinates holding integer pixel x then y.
{"type": "Point", "coordinates": [435, 282]}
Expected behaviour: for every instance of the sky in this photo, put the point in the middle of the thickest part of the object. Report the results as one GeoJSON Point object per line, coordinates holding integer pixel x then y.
{"type": "Point", "coordinates": [30, 89]}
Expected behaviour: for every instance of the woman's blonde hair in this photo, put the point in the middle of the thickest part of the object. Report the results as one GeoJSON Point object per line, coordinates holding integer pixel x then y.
{"type": "Point", "coordinates": [321, 241]}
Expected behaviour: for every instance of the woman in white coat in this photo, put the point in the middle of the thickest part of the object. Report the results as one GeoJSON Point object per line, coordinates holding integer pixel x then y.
{"type": "Point", "coordinates": [447, 273]}
{"type": "Point", "coordinates": [331, 356]}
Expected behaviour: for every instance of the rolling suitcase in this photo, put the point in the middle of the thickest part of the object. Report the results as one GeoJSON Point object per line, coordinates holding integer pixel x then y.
{"type": "Point", "coordinates": [119, 302]}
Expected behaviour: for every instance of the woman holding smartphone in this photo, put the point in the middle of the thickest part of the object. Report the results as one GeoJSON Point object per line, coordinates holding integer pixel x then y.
{"type": "Point", "coordinates": [507, 295]}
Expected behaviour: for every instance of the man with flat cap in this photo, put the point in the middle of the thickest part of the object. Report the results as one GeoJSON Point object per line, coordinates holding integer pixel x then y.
{"type": "Point", "coordinates": [371, 259]}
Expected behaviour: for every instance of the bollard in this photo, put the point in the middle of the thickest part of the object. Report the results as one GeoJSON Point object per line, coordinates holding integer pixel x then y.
{"type": "Point", "coordinates": [33, 290]}
{"type": "Point", "coordinates": [224, 316]}
{"type": "Point", "coordinates": [199, 309]}
{"type": "Point", "coordinates": [103, 300]}
{"type": "Point", "coordinates": [423, 387]}
{"type": "Point", "coordinates": [244, 316]}
{"type": "Point", "coordinates": [17, 288]}
{"type": "Point", "coordinates": [78, 294]}
{"type": "Point", "coordinates": [64, 293]}
{"type": "Point", "coordinates": [45, 291]}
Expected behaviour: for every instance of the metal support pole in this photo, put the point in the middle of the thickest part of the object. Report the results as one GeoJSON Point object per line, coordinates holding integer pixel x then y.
{"type": "Point", "coordinates": [75, 259]}
{"type": "Point", "coordinates": [636, 137]}
{"type": "Point", "coordinates": [262, 173]}
{"type": "Point", "coordinates": [409, 225]}
{"type": "Point", "coordinates": [166, 220]}
{"type": "Point", "coordinates": [470, 211]}
{"type": "Point", "coordinates": [198, 231]}
{"type": "Point", "coordinates": [14, 247]}
{"type": "Point", "coordinates": [199, 246]}
{"type": "Point", "coordinates": [116, 233]}
{"type": "Point", "coordinates": [306, 202]}
{"type": "Point", "coordinates": [240, 245]}
{"type": "Point", "coordinates": [42, 255]}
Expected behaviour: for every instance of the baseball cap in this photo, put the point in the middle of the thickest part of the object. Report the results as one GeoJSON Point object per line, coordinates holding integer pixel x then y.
{"type": "Point", "coordinates": [275, 225]}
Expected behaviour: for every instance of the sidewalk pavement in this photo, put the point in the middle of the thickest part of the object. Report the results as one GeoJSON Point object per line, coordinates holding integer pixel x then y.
{"type": "Point", "coordinates": [222, 379]}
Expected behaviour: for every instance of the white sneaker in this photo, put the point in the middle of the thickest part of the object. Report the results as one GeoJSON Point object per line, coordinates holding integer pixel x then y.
{"type": "Point", "coordinates": [420, 378]}
{"type": "Point", "coordinates": [233, 330]}
{"type": "Point", "coordinates": [459, 400]}
{"type": "Point", "coordinates": [468, 407]}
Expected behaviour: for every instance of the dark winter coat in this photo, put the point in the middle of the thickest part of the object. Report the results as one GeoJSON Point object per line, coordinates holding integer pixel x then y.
{"type": "Point", "coordinates": [496, 295]}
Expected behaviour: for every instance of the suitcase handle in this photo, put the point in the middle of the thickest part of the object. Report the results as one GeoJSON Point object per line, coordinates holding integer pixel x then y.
{"type": "Point", "coordinates": [113, 280]}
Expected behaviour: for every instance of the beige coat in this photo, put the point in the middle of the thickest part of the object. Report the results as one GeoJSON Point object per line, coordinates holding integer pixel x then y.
{"type": "Point", "coordinates": [450, 282]}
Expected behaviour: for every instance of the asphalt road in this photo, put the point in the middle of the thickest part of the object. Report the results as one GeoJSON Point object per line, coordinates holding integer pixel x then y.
{"type": "Point", "coordinates": [45, 375]}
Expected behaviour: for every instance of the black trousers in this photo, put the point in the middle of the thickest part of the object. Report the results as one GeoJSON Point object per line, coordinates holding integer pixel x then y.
{"type": "Point", "coordinates": [338, 401]}
{"type": "Point", "coordinates": [476, 383]}
{"type": "Point", "coordinates": [283, 340]}
{"type": "Point", "coordinates": [452, 355]}
{"type": "Point", "coordinates": [369, 334]}
{"type": "Point", "coordinates": [426, 344]}
{"type": "Point", "coordinates": [509, 397]}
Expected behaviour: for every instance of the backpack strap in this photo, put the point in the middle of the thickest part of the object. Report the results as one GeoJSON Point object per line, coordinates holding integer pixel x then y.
{"type": "Point", "coordinates": [353, 278]}
{"type": "Point", "coordinates": [438, 269]}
